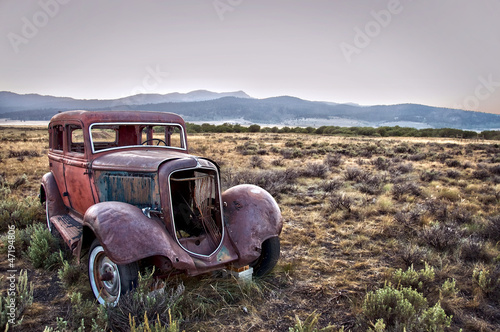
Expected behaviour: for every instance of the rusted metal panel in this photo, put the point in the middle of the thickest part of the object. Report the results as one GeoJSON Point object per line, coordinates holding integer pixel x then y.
{"type": "Point", "coordinates": [127, 235]}
{"type": "Point", "coordinates": [144, 160]}
{"type": "Point", "coordinates": [139, 189]}
{"type": "Point", "coordinates": [54, 202]}
{"type": "Point", "coordinates": [69, 228]}
{"type": "Point", "coordinates": [78, 186]}
{"type": "Point", "coordinates": [252, 216]}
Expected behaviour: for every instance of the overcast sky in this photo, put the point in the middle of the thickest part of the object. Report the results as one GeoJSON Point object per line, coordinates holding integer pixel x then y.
{"type": "Point", "coordinates": [439, 53]}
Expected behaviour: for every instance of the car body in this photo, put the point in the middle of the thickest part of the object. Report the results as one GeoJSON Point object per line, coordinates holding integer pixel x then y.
{"type": "Point", "coordinates": [123, 187]}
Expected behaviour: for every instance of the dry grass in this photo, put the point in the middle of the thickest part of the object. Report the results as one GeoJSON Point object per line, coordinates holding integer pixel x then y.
{"type": "Point", "coordinates": [354, 210]}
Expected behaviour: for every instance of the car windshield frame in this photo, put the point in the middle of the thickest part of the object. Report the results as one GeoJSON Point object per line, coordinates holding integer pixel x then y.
{"type": "Point", "coordinates": [182, 133]}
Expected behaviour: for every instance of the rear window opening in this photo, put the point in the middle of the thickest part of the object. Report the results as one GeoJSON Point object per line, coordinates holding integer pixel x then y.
{"type": "Point", "coordinates": [196, 210]}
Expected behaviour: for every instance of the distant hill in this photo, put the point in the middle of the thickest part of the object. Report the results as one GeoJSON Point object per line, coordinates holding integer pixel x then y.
{"type": "Point", "coordinates": [13, 102]}
{"type": "Point", "coordinates": [206, 106]}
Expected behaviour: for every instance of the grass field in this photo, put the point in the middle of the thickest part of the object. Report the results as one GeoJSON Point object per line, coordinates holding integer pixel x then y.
{"type": "Point", "coordinates": [379, 234]}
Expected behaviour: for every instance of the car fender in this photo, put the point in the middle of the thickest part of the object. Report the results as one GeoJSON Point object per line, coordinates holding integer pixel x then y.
{"type": "Point", "coordinates": [127, 235]}
{"type": "Point", "coordinates": [49, 193]}
{"type": "Point", "coordinates": [251, 216]}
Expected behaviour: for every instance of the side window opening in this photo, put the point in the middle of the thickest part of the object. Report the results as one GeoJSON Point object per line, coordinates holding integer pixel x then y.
{"type": "Point", "coordinates": [75, 134]}
{"type": "Point", "coordinates": [56, 141]}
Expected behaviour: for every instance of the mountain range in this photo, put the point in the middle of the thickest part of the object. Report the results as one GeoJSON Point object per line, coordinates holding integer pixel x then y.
{"type": "Point", "coordinates": [238, 107]}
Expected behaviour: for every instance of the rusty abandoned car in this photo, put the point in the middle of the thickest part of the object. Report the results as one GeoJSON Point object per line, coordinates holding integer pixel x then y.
{"type": "Point", "coordinates": [123, 189]}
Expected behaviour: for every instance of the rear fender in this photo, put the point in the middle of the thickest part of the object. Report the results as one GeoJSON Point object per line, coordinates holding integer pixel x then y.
{"type": "Point", "coordinates": [49, 193]}
{"type": "Point", "coordinates": [252, 216]}
{"type": "Point", "coordinates": [127, 235]}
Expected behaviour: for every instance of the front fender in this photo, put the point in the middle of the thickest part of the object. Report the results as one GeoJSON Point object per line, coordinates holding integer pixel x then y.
{"type": "Point", "coordinates": [252, 216]}
{"type": "Point", "coordinates": [127, 235]}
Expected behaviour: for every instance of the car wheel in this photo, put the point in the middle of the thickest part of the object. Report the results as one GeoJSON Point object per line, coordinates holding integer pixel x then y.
{"type": "Point", "coordinates": [268, 258]}
{"type": "Point", "coordinates": [109, 280]}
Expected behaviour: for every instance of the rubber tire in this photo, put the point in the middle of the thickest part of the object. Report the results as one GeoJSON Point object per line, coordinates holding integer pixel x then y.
{"type": "Point", "coordinates": [124, 276]}
{"type": "Point", "coordinates": [268, 258]}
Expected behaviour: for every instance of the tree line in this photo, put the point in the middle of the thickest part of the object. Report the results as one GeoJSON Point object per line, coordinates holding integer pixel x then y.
{"type": "Point", "coordinates": [346, 131]}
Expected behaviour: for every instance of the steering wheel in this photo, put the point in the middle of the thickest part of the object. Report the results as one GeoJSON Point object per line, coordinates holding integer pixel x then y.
{"type": "Point", "coordinates": [155, 139]}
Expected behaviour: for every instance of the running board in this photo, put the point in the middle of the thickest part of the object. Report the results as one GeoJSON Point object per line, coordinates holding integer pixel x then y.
{"type": "Point", "coordinates": [69, 228]}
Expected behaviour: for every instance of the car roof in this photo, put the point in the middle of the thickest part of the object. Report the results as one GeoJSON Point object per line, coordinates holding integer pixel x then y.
{"type": "Point", "coordinates": [89, 117]}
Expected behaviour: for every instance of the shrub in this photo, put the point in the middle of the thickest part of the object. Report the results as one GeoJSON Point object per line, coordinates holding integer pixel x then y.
{"type": "Point", "coordinates": [453, 174]}
{"type": "Point", "coordinates": [309, 325]}
{"type": "Point", "coordinates": [492, 230]}
{"type": "Point", "coordinates": [84, 310]}
{"type": "Point", "coordinates": [20, 181]}
{"type": "Point", "coordinates": [461, 215]}
{"type": "Point", "coordinates": [481, 174]}
{"type": "Point", "coordinates": [438, 208]}
{"type": "Point", "coordinates": [22, 154]}
{"type": "Point", "coordinates": [19, 212]}
{"type": "Point", "coordinates": [278, 162]}
{"type": "Point", "coordinates": [495, 169]}
{"type": "Point", "coordinates": [69, 274]}
{"type": "Point", "coordinates": [472, 249]}
{"type": "Point", "coordinates": [453, 163]}
{"type": "Point", "coordinates": [371, 185]}
{"type": "Point", "coordinates": [341, 201]}
{"type": "Point", "coordinates": [451, 194]}
{"type": "Point", "coordinates": [413, 255]}
{"type": "Point", "coordinates": [256, 162]}
{"type": "Point", "coordinates": [402, 188]}
{"type": "Point", "coordinates": [441, 236]}
{"type": "Point", "coordinates": [21, 241]}
{"type": "Point", "coordinates": [276, 182]}
{"type": "Point", "coordinates": [143, 306]}
{"type": "Point", "coordinates": [483, 280]}
{"type": "Point", "coordinates": [44, 248]}
{"type": "Point", "coordinates": [410, 218]}
{"type": "Point", "coordinates": [22, 298]}
{"type": "Point", "coordinates": [332, 185]}
{"type": "Point", "coordinates": [155, 326]}
{"type": "Point", "coordinates": [428, 176]}
{"type": "Point", "coordinates": [401, 168]}
{"type": "Point", "coordinates": [381, 164]}
{"type": "Point", "coordinates": [333, 160]}
{"type": "Point", "coordinates": [315, 170]}
{"type": "Point", "coordinates": [248, 148]}
{"type": "Point", "coordinates": [403, 309]}
{"type": "Point", "coordinates": [448, 289]}
{"type": "Point", "coordinates": [291, 153]}
{"type": "Point", "coordinates": [355, 174]}
{"type": "Point", "coordinates": [412, 278]}
{"type": "Point", "coordinates": [417, 157]}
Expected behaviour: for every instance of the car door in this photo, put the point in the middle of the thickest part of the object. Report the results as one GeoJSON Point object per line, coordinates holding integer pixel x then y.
{"type": "Point", "coordinates": [56, 157]}
{"type": "Point", "coordinates": [76, 172]}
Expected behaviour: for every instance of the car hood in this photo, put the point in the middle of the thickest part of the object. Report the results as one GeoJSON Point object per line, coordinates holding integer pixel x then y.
{"type": "Point", "coordinates": [144, 160]}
